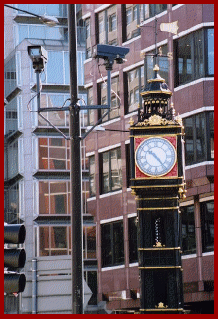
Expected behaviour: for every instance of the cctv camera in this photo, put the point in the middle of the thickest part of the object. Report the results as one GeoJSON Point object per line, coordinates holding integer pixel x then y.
{"type": "Point", "coordinates": [39, 56]}
{"type": "Point", "coordinates": [110, 53]}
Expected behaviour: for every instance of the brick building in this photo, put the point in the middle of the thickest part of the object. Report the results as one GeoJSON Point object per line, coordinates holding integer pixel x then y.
{"type": "Point", "coordinates": [190, 76]}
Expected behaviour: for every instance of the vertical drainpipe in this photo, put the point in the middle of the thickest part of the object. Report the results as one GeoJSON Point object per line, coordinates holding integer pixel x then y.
{"type": "Point", "coordinates": [34, 286]}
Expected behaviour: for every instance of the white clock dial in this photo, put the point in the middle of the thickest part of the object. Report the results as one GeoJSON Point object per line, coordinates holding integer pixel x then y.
{"type": "Point", "coordinates": [155, 156]}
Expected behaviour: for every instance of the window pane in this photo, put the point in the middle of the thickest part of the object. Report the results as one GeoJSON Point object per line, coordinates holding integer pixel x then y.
{"type": "Point", "coordinates": [210, 53]}
{"type": "Point", "coordinates": [106, 186]}
{"type": "Point", "coordinates": [118, 244]}
{"type": "Point", "coordinates": [55, 74]}
{"type": "Point", "coordinates": [188, 230]}
{"type": "Point", "coordinates": [43, 241]}
{"type": "Point", "coordinates": [91, 242]}
{"type": "Point", "coordinates": [106, 247]}
{"type": "Point", "coordinates": [185, 59]}
{"type": "Point", "coordinates": [198, 54]}
{"type": "Point", "coordinates": [43, 198]}
{"type": "Point", "coordinates": [57, 153]}
{"type": "Point", "coordinates": [58, 241]}
{"type": "Point", "coordinates": [200, 137]}
{"type": "Point", "coordinates": [57, 117]}
{"type": "Point", "coordinates": [43, 153]}
{"type": "Point", "coordinates": [58, 198]}
{"type": "Point", "coordinates": [211, 123]}
{"type": "Point", "coordinates": [133, 248]}
{"type": "Point", "coordinates": [207, 223]}
{"type": "Point", "coordinates": [189, 141]}
{"type": "Point", "coordinates": [116, 169]}
{"type": "Point", "coordinates": [92, 175]}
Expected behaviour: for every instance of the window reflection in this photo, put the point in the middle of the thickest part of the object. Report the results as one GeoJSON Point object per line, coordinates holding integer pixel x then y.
{"type": "Point", "coordinates": [111, 170]}
{"type": "Point", "coordinates": [188, 230]}
{"type": "Point", "coordinates": [54, 198]}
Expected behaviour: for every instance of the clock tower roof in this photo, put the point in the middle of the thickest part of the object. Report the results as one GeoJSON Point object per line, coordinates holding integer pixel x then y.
{"type": "Point", "coordinates": [156, 87]}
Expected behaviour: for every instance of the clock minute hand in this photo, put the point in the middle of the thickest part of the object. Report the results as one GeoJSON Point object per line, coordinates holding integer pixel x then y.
{"type": "Point", "coordinates": [155, 156]}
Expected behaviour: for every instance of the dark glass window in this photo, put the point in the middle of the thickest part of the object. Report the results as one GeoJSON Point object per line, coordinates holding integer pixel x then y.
{"type": "Point", "coordinates": [188, 230]}
{"type": "Point", "coordinates": [210, 51]}
{"type": "Point", "coordinates": [194, 56]}
{"type": "Point", "coordinates": [133, 248]}
{"type": "Point", "coordinates": [128, 168]}
{"type": "Point", "coordinates": [199, 138]}
{"type": "Point", "coordinates": [112, 244]}
{"type": "Point", "coordinates": [111, 170]}
{"type": "Point", "coordinates": [150, 10]}
{"type": "Point", "coordinates": [92, 175]}
{"type": "Point", "coordinates": [207, 226]}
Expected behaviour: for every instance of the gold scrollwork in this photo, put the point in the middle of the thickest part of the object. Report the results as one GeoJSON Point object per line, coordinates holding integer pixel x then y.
{"type": "Point", "coordinates": [155, 120]}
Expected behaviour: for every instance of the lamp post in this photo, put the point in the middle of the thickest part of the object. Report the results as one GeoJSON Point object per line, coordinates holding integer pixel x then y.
{"type": "Point", "coordinates": [75, 170]}
{"type": "Point", "coordinates": [48, 20]}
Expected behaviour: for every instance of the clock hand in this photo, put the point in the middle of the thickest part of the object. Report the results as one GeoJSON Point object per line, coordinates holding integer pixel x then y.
{"type": "Point", "coordinates": [157, 158]}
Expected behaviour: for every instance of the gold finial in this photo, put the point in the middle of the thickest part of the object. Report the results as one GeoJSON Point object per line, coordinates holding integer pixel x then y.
{"type": "Point", "coordinates": [156, 68]}
{"type": "Point", "coordinates": [158, 244]}
{"type": "Point", "coordinates": [161, 305]}
{"type": "Point", "coordinates": [131, 122]}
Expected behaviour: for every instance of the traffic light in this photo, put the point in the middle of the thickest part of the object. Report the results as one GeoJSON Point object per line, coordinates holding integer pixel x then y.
{"type": "Point", "coordinates": [14, 259]}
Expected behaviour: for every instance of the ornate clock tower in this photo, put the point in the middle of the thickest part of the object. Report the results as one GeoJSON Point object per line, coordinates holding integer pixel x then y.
{"type": "Point", "coordinates": [157, 181]}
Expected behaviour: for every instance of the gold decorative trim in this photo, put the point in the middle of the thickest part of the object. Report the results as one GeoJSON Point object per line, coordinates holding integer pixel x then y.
{"type": "Point", "coordinates": [156, 186]}
{"type": "Point", "coordinates": [157, 127]}
{"type": "Point", "coordinates": [158, 208]}
{"type": "Point", "coordinates": [158, 91]}
{"type": "Point", "coordinates": [160, 248]}
{"type": "Point", "coordinates": [155, 120]}
{"type": "Point", "coordinates": [163, 309]}
{"type": "Point", "coordinates": [172, 166]}
{"type": "Point", "coordinates": [162, 267]}
{"type": "Point", "coordinates": [154, 198]}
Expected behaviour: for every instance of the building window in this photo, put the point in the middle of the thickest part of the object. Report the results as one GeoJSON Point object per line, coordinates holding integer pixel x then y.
{"type": "Point", "coordinates": [91, 112]}
{"type": "Point", "coordinates": [199, 138]}
{"type": "Point", "coordinates": [107, 26]}
{"type": "Point", "coordinates": [207, 226]}
{"type": "Point", "coordinates": [134, 84]}
{"type": "Point", "coordinates": [53, 240]}
{"type": "Point", "coordinates": [115, 99]}
{"type": "Point", "coordinates": [210, 51]}
{"type": "Point", "coordinates": [89, 242]}
{"type": "Point", "coordinates": [132, 21]}
{"type": "Point", "coordinates": [112, 22]}
{"type": "Point", "coordinates": [92, 175]}
{"type": "Point", "coordinates": [112, 244]}
{"type": "Point", "coordinates": [10, 76]}
{"type": "Point", "coordinates": [188, 230]}
{"type": "Point", "coordinates": [133, 247]}
{"type": "Point", "coordinates": [53, 154]}
{"type": "Point", "coordinates": [150, 10]}
{"type": "Point", "coordinates": [88, 40]}
{"type": "Point", "coordinates": [194, 56]}
{"type": "Point", "coordinates": [57, 10]}
{"type": "Point", "coordinates": [54, 198]}
{"type": "Point", "coordinates": [110, 170]}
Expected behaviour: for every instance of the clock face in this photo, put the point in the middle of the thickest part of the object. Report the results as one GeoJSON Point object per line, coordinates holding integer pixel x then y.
{"type": "Point", "coordinates": [155, 156]}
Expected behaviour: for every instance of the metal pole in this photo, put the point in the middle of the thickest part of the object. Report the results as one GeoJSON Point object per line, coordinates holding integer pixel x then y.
{"type": "Point", "coordinates": [109, 88]}
{"type": "Point", "coordinates": [38, 89]}
{"type": "Point", "coordinates": [34, 286]}
{"type": "Point", "coordinates": [75, 170]}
